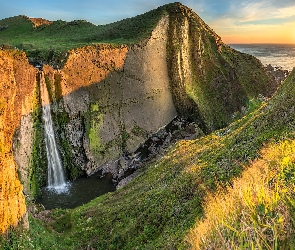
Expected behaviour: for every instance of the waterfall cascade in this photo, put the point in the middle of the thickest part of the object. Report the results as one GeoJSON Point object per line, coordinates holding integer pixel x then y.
{"type": "Point", "coordinates": [56, 178]}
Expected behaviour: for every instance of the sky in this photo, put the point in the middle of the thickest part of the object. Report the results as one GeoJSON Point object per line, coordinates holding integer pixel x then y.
{"type": "Point", "coordinates": [236, 21]}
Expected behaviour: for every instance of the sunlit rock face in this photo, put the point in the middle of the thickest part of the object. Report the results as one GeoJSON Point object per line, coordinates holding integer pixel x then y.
{"type": "Point", "coordinates": [39, 21]}
{"type": "Point", "coordinates": [17, 82]}
{"type": "Point", "coordinates": [107, 100]}
{"type": "Point", "coordinates": [114, 97]}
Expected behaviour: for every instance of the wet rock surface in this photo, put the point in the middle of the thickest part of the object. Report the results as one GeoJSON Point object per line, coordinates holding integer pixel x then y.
{"type": "Point", "coordinates": [278, 72]}
{"type": "Point", "coordinates": [126, 167]}
{"type": "Point", "coordinates": [74, 132]}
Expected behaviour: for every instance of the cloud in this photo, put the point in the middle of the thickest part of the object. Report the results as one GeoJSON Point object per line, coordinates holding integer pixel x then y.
{"type": "Point", "coordinates": [227, 17]}
{"type": "Point", "coordinates": [286, 12]}
{"type": "Point", "coordinates": [270, 21]}
{"type": "Point", "coordinates": [262, 10]}
{"type": "Point", "coordinates": [255, 21]}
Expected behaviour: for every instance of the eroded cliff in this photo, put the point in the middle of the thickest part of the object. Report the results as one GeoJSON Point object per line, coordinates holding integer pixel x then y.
{"type": "Point", "coordinates": [210, 81]}
{"type": "Point", "coordinates": [17, 86]}
{"type": "Point", "coordinates": [113, 98]}
{"type": "Point", "coordinates": [108, 99]}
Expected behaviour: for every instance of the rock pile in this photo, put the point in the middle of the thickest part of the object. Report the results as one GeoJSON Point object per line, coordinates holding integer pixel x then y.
{"type": "Point", "coordinates": [278, 72]}
{"type": "Point", "coordinates": [124, 168]}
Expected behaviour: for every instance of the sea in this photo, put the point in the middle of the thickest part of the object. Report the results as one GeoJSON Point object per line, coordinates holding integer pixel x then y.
{"type": "Point", "coordinates": [278, 55]}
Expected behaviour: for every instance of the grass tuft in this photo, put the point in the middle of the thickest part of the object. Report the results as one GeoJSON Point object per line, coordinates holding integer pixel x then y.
{"type": "Point", "coordinates": [255, 212]}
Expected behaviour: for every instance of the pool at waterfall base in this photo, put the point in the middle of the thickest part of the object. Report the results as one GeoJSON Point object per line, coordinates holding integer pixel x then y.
{"type": "Point", "coordinates": [76, 193]}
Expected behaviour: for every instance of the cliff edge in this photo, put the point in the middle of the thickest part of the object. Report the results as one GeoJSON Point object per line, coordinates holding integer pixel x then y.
{"type": "Point", "coordinates": [17, 87]}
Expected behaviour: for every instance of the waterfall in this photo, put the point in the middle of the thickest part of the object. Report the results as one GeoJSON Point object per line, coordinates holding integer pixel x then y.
{"type": "Point", "coordinates": [56, 178]}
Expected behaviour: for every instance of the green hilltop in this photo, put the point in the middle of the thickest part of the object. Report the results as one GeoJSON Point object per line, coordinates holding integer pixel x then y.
{"type": "Point", "coordinates": [224, 81]}
{"type": "Point", "coordinates": [48, 42]}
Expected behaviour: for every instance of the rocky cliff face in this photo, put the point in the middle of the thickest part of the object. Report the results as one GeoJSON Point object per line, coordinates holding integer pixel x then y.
{"type": "Point", "coordinates": [114, 97]}
{"type": "Point", "coordinates": [210, 81]}
{"type": "Point", "coordinates": [108, 99]}
{"type": "Point", "coordinates": [17, 84]}
{"type": "Point", "coordinates": [39, 21]}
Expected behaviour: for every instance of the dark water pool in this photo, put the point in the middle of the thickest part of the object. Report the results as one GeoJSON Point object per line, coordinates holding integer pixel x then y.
{"type": "Point", "coordinates": [76, 193]}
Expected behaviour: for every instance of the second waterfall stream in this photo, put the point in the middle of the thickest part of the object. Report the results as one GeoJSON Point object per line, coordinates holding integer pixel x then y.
{"type": "Point", "coordinates": [55, 176]}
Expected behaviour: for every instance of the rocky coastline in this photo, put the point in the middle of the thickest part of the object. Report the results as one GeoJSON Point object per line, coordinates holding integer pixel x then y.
{"type": "Point", "coordinates": [277, 72]}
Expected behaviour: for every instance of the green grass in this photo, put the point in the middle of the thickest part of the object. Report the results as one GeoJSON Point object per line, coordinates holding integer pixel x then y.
{"type": "Point", "coordinates": [257, 211]}
{"type": "Point", "coordinates": [38, 237]}
{"type": "Point", "coordinates": [162, 203]}
{"type": "Point", "coordinates": [51, 42]}
{"type": "Point", "coordinates": [160, 206]}
{"type": "Point", "coordinates": [221, 81]}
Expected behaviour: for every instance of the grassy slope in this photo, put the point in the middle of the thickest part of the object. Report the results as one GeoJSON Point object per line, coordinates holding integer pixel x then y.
{"type": "Point", "coordinates": [160, 206]}
{"type": "Point", "coordinates": [257, 212]}
{"type": "Point", "coordinates": [51, 42]}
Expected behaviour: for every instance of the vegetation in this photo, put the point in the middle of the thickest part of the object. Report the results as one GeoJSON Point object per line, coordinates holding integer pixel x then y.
{"type": "Point", "coordinates": [257, 212]}
{"type": "Point", "coordinates": [210, 81]}
{"type": "Point", "coordinates": [247, 167]}
{"type": "Point", "coordinates": [50, 43]}
{"type": "Point", "coordinates": [175, 197]}
{"type": "Point", "coordinates": [95, 144]}
{"type": "Point", "coordinates": [37, 174]}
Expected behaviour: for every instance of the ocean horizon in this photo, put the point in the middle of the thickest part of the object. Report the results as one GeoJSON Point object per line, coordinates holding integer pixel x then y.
{"type": "Point", "coordinates": [278, 55]}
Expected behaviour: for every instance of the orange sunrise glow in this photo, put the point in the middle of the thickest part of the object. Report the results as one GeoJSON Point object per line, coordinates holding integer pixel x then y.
{"type": "Point", "coordinates": [280, 34]}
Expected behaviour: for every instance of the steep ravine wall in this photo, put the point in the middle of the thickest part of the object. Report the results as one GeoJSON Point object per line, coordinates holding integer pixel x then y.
{"type": "Point", "coordinates": [110, 99]}
{"type": "Point", "coordinates": [107, 99]}
{"type": "Point", "coordinates": [17, 87]}
{"type": "Point", "coordinates": [210, 81]}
